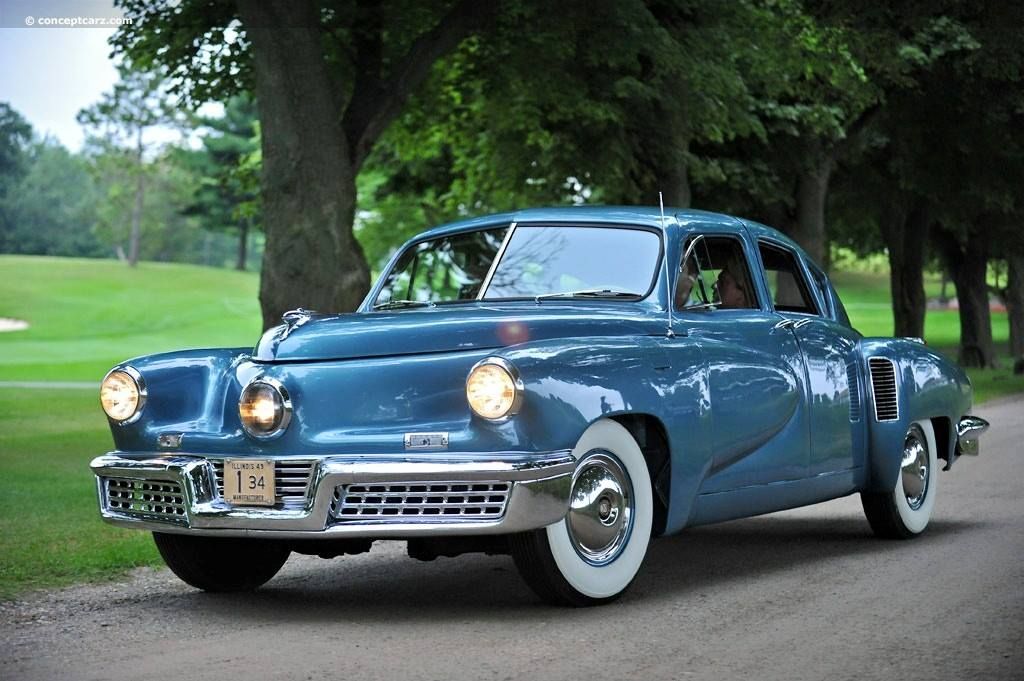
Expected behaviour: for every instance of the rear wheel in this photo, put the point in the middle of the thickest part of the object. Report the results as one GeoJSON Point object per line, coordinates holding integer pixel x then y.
{"type": "Point", "coordinates": [904, 512]}
{"type": "Point", "coordinates": [221, 563]}
{"type": "Point", "coordinates": [592, 556]}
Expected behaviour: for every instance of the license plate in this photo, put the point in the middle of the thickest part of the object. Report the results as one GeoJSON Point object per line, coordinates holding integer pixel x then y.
{"type": "Point", "coordinates": [249, 482]}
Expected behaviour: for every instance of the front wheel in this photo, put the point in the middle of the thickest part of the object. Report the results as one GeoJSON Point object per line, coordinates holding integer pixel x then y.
{"type": "Point", "coordinates": [221, 563]}
{"type": "Point", "coordinates": [592, 556]}
{"type": "Point", "coordinates": [904, 512]}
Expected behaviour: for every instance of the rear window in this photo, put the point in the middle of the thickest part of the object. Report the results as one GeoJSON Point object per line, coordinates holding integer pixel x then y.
{"type": "Point", "coordinates": [786, 283]}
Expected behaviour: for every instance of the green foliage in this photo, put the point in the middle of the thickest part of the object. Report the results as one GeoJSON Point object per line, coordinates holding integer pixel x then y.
{"type": "Point", "coordinates": [51, 208]}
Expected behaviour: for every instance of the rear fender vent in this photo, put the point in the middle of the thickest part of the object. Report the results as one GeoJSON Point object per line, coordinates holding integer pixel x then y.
{"type": "Point", "coordinates": [851, 377]}
{"type": "Point", "coordinates": [883, 386]}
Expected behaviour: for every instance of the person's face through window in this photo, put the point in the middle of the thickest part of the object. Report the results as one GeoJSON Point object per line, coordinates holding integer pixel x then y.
{"type": "Point", "coordinates": [730, 293]}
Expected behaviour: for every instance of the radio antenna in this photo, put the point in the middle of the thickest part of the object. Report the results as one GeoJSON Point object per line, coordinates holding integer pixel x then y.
{"type": "Point", "coordinates": [668, 278]}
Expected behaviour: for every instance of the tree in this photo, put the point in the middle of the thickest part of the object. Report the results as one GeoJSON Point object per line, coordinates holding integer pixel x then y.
{"type": "Point", "coordinates": [226, 195]}
{"type": "Point", "coordinates": [329, 78]}
{"type": "Point", "coordinates": [51, 208]}
{"type": "Point", "coordinates": [15, 134]}
{"type": "Point", "coordinates": [121, 119]}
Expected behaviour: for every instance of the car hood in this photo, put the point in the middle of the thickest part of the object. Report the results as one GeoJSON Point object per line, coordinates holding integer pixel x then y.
{"type": "Point", "coordinates": [444, 329]}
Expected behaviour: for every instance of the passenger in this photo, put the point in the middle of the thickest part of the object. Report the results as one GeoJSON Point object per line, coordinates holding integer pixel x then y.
{"type": "Point", "coordinates": [731, 291]}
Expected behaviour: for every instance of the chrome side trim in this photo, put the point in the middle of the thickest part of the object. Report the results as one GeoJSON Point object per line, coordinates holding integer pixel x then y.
{"type": "Point", "coordinates": [539, 494]}
{"type": "Point", "coordinates": [497, 259]}
{"type": "Point", "coordinates": [968, 431]}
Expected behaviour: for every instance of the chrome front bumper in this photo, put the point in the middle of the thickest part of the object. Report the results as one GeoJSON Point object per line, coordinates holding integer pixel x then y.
{"type": "Point", "coordinates": [186, 492]}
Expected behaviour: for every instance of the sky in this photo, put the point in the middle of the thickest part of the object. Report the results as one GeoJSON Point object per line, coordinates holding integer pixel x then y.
{"type": "Point", "coordinates": [48, 74]}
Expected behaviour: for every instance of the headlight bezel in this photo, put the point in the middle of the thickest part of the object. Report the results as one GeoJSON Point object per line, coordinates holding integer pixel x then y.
{"type": "Point", "coordinates": [140, 389]}
{"type": "Point", "coordinates": [517, 384]}
{"type": "Point", "coordinates": [286, 408]}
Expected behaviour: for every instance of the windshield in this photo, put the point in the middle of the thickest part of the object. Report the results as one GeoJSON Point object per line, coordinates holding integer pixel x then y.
{"type": "Point", "coordinates": [446, 269]}
{"type": "Point", "coordinates": [539, 261]}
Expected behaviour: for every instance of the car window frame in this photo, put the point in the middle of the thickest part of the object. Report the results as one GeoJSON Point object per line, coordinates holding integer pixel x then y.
{"type": "Point", "coordinates": [801, 268]}
{"type": "Point", "coordinates": [759, 303]}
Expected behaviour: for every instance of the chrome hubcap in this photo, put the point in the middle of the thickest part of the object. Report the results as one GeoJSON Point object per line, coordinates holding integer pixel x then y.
{"type": "Point", "coordinates": [600, 508]}
{"type": "Point", "coordinates": [914, 471]}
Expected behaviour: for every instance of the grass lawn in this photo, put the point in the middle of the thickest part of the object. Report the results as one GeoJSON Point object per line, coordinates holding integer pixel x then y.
{"type": "Point", "coordinates": [88, 315]}
{"type": "Point", "coordinates": [85, 316]}
{"type": "Point", "coordinates": [50, 530]}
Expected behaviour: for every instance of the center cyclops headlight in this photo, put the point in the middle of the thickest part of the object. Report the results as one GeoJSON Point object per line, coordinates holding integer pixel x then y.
{"type": "Point", "coordinates": [264, 408]}
{"type": "Point", "coordinates": [123, 394]}
{"type": "Point", "coordinates": [494, 389]}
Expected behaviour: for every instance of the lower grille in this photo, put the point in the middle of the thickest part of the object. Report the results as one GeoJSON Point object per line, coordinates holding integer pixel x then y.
{"type": "Point", "coordinates": [291, 480]}
{"type": "Point", "coordinates": [421, 501]}
{"type": "Point", "coordinates": [150, 499]}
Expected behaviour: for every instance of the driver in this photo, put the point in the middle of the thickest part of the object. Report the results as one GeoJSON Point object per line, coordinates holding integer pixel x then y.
{"type": "Point", "coordinates": [731, 290]}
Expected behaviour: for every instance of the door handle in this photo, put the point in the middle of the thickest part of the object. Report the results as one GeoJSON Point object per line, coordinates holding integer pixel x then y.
{"type": "Point", "coordinates": [784, 324]}
{"type": "Point", "coordinates": [802, 322]}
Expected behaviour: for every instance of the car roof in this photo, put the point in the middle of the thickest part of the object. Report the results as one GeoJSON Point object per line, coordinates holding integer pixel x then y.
{"type": "Point", "coordinates": [647, 216]}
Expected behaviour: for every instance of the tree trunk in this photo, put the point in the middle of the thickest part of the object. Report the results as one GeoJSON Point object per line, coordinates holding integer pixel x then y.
{"type": "Point", "coordinates": [1015, 309]}
{"type": "Point", "coordinates": [243, 244]}
{"type": "Point", "coordinates": [140, 191]}
{"type": "Point", "coordinates": [906, 234]}
{"type": "Point", "coordinates": [677, 190]}
{"type": "Point", "coordinates": [811, 192]}
{"type": "Point", "coordinates": [968, 264]}
{"type": "Point", "coordinates": [311, 258]}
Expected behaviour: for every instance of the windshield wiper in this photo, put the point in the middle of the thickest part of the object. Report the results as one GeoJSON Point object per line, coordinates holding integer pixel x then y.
{"type": "Point", "coordinates": [588, 293]}
{"type": "Point", "coordinates": [393, 304]}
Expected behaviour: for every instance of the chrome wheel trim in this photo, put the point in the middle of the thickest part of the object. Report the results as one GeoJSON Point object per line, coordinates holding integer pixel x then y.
{"type": "Point", "coordinates": [601, 508]}
{"type": "Point", "coordinates": [915, 470]}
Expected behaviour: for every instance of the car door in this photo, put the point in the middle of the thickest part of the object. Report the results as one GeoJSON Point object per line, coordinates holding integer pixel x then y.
{"type": "Point", "coordinates": [755, 370]}
{"type": "Point", "coordinates": [828, 349]}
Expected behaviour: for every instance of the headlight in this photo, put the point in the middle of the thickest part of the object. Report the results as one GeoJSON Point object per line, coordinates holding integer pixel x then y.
{"type": "Point", "coordinates": [264, 408]}
{"type": "Point", "coordinates": [123, 394]}
{"type": "Point", "coordinates": [493, 389]}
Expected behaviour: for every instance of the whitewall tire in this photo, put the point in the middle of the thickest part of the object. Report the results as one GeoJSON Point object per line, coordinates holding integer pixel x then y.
{"type": "Point", "coordinates": [592, 556]}
{"type": "Point", "coordinates": [904, 512]}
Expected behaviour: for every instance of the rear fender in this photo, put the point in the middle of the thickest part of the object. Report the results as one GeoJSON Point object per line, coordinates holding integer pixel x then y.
{"type": "Point", "coordinates": [928, 387]}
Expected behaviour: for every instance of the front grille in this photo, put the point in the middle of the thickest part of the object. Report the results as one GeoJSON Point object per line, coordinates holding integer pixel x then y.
{"type": "Point", "coordinates": [149, 499]}
{"type": "Point", "coordinates": [883, 385]}
{"type": "Point", "coordinates": [421, 501]}
{"type": "Point", "coordinates": [291, 480]}
{"type": "Point", "coordinates": [851, 377]}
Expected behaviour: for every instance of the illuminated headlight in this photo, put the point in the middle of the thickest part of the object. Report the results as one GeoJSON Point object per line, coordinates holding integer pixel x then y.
{"type": "Point", "coordinates": [493, 389]}
{"type": "Point", "coordinates": [264, 408]}
{"type": "Point", "coordinates": [123, 394]}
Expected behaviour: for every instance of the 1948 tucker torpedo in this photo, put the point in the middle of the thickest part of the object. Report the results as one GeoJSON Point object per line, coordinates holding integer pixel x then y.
{"type": "Point", "coordinates": [558, 384]}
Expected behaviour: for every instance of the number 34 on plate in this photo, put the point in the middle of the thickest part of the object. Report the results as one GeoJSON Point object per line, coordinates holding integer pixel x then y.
{"type": "Point", "coordinates": [249, 482]}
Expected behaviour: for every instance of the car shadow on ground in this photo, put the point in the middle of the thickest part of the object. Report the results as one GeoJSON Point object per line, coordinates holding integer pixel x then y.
{"type": "Point", "coordinates": [488, 587]}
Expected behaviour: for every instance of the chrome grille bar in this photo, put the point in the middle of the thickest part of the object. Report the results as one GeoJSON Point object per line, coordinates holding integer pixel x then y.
{"type": "Point", "coordinates": [421, 500]}
{"type": "Point", "coordinates": [149, 499]}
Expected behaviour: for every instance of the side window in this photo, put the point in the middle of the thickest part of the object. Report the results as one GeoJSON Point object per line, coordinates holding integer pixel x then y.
{"type": "Point", "coordinates": [717, 273]}
{"type": "Point", "coordinates": [786, 282]}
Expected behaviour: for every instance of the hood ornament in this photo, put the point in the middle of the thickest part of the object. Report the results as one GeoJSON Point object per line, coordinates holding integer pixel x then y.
{"type": "Point", "coordinates": [293, 319]}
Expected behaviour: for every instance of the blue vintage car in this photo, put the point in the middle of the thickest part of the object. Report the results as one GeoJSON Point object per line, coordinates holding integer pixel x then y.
{"type": "Point", "coordinates": [558, 384]}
